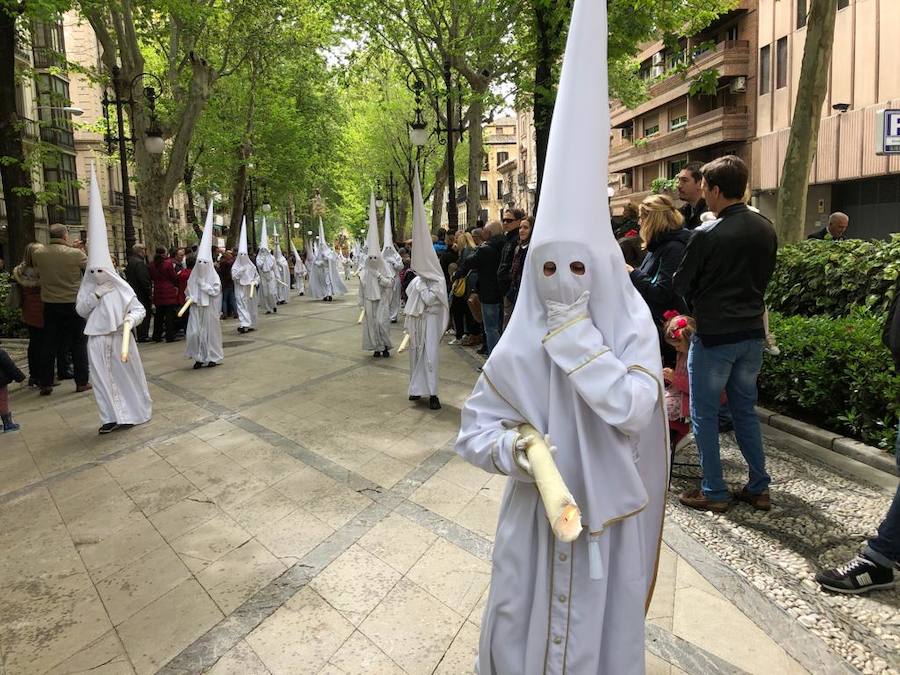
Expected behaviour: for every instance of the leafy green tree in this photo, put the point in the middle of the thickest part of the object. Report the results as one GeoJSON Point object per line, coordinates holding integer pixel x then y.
{"type": "Point", "coordinates": [790, 211]}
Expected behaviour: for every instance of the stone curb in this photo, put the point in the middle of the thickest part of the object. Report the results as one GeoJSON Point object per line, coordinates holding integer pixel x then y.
{"type": "Point", "coordinates": [829, 440]}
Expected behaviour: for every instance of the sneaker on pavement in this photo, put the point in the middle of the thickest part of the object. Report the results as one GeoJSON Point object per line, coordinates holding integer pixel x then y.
{"type": "Point", "coordinates": [859, 575]}
{"type": "Point", "coordinates": [760, 502]}
{"type": "Point", "coordinates": [695, 499]}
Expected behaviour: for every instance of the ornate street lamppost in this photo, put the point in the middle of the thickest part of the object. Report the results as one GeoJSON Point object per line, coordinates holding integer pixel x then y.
{"type": "Point", "coordinates": [418, 128]}
{"type": "Point", "coordinates": [153, 141]}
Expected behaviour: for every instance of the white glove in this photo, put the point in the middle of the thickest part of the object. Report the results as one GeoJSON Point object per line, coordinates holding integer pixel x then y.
{"type": "Point", "coordinates": [559, 313]}
{"type": "Point", "coordinates": [519, 457]}
{"type": "Point", "coordinates": [103, 289]}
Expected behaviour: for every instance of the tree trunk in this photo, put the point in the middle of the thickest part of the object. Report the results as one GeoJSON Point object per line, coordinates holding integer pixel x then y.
{"type": "Point", "coordinates": [790, 218]}
{"type": "Point", "coordinates": [543, 88]}
{"type": "Point", "coordinates": [476, 161]}
{"type": "Point", "coordinates": [440, 189]}
{"type": "Point", "coordinates": [190, 213]}
{"type": "Point", "coordinates": [238, 188]}
{"type": "Point", "coordinates": [18, 194]}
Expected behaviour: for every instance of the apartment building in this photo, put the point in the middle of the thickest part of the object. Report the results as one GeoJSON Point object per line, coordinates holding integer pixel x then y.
{"type": "Point", "coordinates": [500, 147]}
{"type": "Point", "coordinates": [45, 108]}
{"type": "Point", "coordinates": [46, 103]}
{"type": "Point", "coordinates": [864, 77]}
{"type": "Point", "coordinates": [520, 174]}
{"type": "Point", "coordinates": [655, 140]}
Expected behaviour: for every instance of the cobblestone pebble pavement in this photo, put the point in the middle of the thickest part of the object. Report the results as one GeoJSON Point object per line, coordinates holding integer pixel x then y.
{"type": "Point", "coordinates": [819, 519]}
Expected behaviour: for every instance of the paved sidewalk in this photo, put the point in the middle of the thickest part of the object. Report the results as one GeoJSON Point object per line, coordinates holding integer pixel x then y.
{"type": "Point", "coordinates": [292, 512]}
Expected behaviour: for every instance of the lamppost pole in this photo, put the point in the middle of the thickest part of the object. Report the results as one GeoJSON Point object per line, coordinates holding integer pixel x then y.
{"type": "Point", "coordinates": [128, 216]}
{"type": "Point", "coordinates": [452, 211]}
{"type": "Point", "coordinates": [252, 217]}
{"type": "Point", "coordinates": [153, 141]}
{"type": "Point", "coordinates": [392, 185]}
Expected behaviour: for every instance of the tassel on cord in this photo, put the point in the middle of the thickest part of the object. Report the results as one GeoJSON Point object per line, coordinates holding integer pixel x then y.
{"type": "Point", "coordinates": [595, 559]}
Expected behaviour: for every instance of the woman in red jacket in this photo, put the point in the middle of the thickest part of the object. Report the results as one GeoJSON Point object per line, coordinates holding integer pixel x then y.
{"type": "Point", "coordinates": [165, 294]}
{"type": "Point", "coordinates": [29, 281]}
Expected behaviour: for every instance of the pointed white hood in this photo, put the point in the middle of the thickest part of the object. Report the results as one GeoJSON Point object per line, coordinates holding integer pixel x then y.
{"type": "Point", "coordinates": [279, 254]}
{"type": "Point", "coordinates": [243, 271]}
{"type": "Point", "coordinates": [424, 261]}
{"type": "Point", "coordinates": [391, 257]}
{"type": "Point", "coordinates": [204, 279]}
{"type": "Point", "coordinates": [101, 271]}
{"type": "Point", "coordinates": [374, 258]}
{"type": "Point", "coordinates": [264, 237]}
{"type": "Point", "coordinates": [569, 230]}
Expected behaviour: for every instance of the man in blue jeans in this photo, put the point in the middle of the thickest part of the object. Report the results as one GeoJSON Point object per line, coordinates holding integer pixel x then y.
{"type": "Point", "coordinates": [723, 277]}
{"type": "Point", "coordinates": [874, 566]}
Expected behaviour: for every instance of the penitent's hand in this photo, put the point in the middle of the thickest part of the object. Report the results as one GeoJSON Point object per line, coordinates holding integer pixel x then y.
{"type": "Point", "coordinates": [559, 313]}
{"type": "Point", "coordinates": [519, 455]}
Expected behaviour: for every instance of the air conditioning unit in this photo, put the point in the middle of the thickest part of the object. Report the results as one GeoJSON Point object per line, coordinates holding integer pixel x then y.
{"type": "Point", "coordinates": [739, 85]}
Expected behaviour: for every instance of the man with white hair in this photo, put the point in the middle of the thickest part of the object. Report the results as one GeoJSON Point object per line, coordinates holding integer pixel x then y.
{"type": "Point", "coordinates": [835, 230]}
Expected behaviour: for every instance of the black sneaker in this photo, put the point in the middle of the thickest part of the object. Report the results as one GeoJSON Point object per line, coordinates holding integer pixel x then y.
{"type": "Point", "coordinates": [108, 428]}
{"type": "Point", "coordinates": [860, 575]}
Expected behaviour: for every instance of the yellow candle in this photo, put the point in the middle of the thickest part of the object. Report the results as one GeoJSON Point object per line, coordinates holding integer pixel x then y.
{"type": "Point", "coordinates": [562, 511]}
{"type": "Point", "coordinates": [126, 339]}
{"type": "Point", "coordinates": [187, 303]}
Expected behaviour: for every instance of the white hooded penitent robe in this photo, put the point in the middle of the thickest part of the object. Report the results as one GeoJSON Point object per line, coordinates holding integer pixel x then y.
{"type": "Point", "coordinates": [106, 301]}
{"type": "Point", "coordinates": [299, 273]}
{"type": "Point", "coordinates": [120, 389]}
{"type": "Point", "coordinates": [374, 286]}
{"type": "Point", "coordinates": [267, 292]}
{"type": "Point", "coordinates": [282, 275]}
{"type": "Point", "coordinates": [245, 275]}
{"type": "Point", "coordinates": [579, 362]}
{"type": "Point", "coordinates": [204, 329]}
{"type": "Point", "coordinates": [395, 265]}
{"type": "Point", "coordinates": [427, 305]}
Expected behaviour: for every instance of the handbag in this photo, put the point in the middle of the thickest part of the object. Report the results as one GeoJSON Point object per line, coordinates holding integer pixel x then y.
{"type": "Point", "coordinates": [475, 307]}
{"type": "Point", "coordinates": [14, 297]}
{"type": "Point", "coordinates": [459, 288]}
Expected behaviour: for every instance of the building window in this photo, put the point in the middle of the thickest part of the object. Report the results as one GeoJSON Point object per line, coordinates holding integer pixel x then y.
{"type": "Point", "coordinates": [484, 189]}
{"type": "Point", "coordinates": [781, 63]}
{"type": "Point", "coordinates": [485, 162]}
{"type": "Point", "coordinates": [500, 190]}
{"type": "Point", "coordinates": [843, 4]}
{"type": "Point", "coordinates": [677, 123]}
{"type": "Point", "coordinates": [651, 130]}
{"type": "Point", "coordinates": [48, 46]}
{"type": "Point", "coordinates": [56, 126]}
{"type": "Point", "coordinates": [765, 70]}
{"type": "Point", "coordinates": [731, 35]}
{"type": "Point", "coordinates": [628, 133]}
{"type": "Point", "coordinates": [502, 157]}
{"type": "Point", "coordinates": [676, 165]}
{"type": "Point", "coordinates": [801, 13]}
{"type": "Point", "coordinates": [627, 179]}
{"type": "Point", "coordinates": [61, 180]}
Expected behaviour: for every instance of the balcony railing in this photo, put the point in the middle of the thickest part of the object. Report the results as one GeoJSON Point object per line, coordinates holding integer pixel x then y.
{"type": "Point", "coordinates": [730, 123]}
{"type": "Point", "coordinates": [119, 200]}
{"type": "Point", "coordinates": [730, 57]}
{"type": "Point", "coordinates": [29, 128]}
{"type": "Point", "coordinates": [57, 136]}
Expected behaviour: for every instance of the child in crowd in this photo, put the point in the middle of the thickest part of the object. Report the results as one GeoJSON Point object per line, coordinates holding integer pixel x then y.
{"type": "Point", "coordinates": [678, 331]}
{"type": "Point", "coordinates": [9, 372]}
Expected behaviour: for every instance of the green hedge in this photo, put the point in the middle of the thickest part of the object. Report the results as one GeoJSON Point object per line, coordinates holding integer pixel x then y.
{"type": "Point", "coordinates": [831, 277]}
{"type": "Point", "coordinates": [835, 373]}
{"type": "Point", "coordinates": [10, 319]}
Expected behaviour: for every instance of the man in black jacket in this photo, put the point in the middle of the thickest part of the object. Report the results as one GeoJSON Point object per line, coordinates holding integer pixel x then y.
{"type": "Point", "coordinates": [835, 230]}
{"type": "Point", "coordinates": [485, 261]}
{"type": "Point", "coordinates": [873, 567]}
{"type": "Point", "coordinates": [690, 191]}
{"type": "Point", "coordinates": [723, 277]}
{"type": "Point", "coordinates": [137, 274]}
{"type": "Point", "coordinates": [512, 219]}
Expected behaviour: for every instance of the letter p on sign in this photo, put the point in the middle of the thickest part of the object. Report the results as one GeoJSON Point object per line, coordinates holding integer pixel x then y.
{"type": "Point", "coordinates": [887, 132]}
